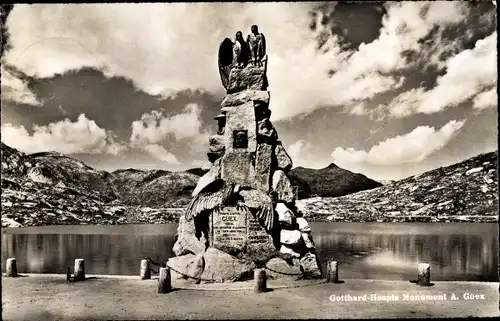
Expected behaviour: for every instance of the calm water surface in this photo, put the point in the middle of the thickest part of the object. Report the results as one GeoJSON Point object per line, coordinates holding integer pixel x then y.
{"type": "Point", "coordinates": [392, 251]}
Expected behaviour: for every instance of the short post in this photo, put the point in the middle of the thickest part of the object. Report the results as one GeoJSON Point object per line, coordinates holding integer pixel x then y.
{"type": "Point", "coordinates": [260, 279]}
{"type": "Point", "coordinates": [145, 270]}
{"type": "Point", "coordinates": [332, 269]}
{"type": "Point", "coordinates": [424, 274]}
{"type": "Point", "coordinates": [165, 280]}
{"type": "Point", "coordinates": [68, 275]}
{"type": "Point", "coordinates": [79, 270]}
{"type": "Point", "coordinates": [12, 267]}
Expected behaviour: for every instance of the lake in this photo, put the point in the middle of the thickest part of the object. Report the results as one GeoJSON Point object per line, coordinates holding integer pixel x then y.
{"type": "Point", "coordinates": [391, 251]}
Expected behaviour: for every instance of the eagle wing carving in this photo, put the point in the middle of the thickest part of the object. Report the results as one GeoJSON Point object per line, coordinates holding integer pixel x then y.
{"type": "Point", "coordinates": [214, 195]}
{"type": "Point", "coordinates": [262, 204]}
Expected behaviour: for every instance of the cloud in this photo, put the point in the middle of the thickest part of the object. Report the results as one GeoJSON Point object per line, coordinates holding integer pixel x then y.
{"type": "Point", "coordinates": [82, 136]}
{"type": "Point", "coordinates": [165, 48]}
{"type": "Point", "coordinates": [16, 89]}
{"type": "Point", "coordinates": [469, 73]}
{"type": "Point", "coordinates": [486, 99]}
{"type": "Point", "coordinates": [154, 128]}
{"type": "Point", "coordinates": [160, 153]}
{"type": "Point", "coordinates": [301, 153]}
{"type": "Point", "coordinates": [412, 147]}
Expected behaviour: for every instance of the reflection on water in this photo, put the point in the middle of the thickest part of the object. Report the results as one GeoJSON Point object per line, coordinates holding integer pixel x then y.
{"type": "Point", "coordinates": [385, 251]}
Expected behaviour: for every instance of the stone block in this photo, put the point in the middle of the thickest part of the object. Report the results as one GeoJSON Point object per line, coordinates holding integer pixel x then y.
{"type": "Point", "coordinates": [213, 156]}
{"type": "Point", "coordinates": [237, 168]}
{"type": "Point", "coordinates": [242, 97]}
{"type": "Point", "coordinates": [222, 267]}
{"type": "Point", "coordinates": [266, 132]}
{"type": "Point", "coordinates": [285, 215]}
{"type": "Point", "coordinates": [292, 238]}
{"type": "Point", "coordinates": [308, 241]}
{"type": "Point", "coordinates": [283, 160]}
{"type": "Point", "coordinates": [187, 242]}
{"type": "Point", "coordinates": [241, 120]}
{"type": "Point", "coordinates": [287, 250]}
{"type": "Point", "coordinates": [303, 225]}
{"type": "Point", "coordinates": [263, 166]}
{"type": "Point", "coordinates": [282, 187]}
{"type": "Point", "coordinates": [310, 266]}
{"type": "Point", "coordinates": [251, 77]}
{"type": "Point", "coordinates": [217, 143]}
{"type": "Point", "coordinates": [277, 268]}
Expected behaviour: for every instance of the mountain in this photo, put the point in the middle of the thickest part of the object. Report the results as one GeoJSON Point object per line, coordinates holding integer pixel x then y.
{"type": "Point", "coordinates": [50, 188]}
{"type": "Point", "coordinates": [463, 192]}
{"type": "Point", "coordinates": [154, 187]}
{"type": "Point", "coordinates": [331, 181]}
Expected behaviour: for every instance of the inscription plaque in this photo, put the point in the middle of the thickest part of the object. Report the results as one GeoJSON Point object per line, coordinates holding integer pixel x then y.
{"type": "Point", "coordinates": [237, 232]}
{"type": "Point", "coordinates": [229, 229]}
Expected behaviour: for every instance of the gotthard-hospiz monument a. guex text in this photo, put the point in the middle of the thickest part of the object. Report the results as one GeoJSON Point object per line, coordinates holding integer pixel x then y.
{"type": "Point", "coordinates": [242, 215]}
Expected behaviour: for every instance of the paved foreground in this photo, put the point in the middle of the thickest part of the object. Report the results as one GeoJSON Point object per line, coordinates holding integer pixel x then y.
{"type": "Point", "coordinates": [42, 297]}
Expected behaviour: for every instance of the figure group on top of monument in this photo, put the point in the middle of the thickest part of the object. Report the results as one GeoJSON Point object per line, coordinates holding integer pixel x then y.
{"type": "Point", "coordinates": [240, 53]}
{"type": "Point", "coordinates": [252, 51]}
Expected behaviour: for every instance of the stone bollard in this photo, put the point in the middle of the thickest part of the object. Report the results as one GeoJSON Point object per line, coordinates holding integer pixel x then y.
{"type": "Point", "coordinates": [145, 270]}
{"type": "Point", "coordinates": [260, 278]}
{"type": "Point", "coordinates": [424, 274]}
{"type": "Point", "coordinates": [79, 270]}
{"type": "Point", "coordinates": [11, 268]}
{"type": "Point", "coordinates": [332, 271]}
{"type": "Point", "coordinates": [165, 280]}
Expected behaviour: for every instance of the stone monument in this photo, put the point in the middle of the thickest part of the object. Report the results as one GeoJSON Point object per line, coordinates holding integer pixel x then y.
{"type": "Point", "coordinates": [242, 215]}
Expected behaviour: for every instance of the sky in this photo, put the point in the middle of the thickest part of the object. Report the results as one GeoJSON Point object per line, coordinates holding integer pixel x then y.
{"type": "Point", "coordinates": [388, 90]}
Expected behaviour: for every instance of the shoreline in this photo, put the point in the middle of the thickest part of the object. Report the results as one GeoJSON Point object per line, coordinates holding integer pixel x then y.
{"type": "Point", "coordinates": [42, 297]}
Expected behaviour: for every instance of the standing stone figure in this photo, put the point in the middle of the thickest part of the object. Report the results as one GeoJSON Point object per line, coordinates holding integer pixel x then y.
{"type": "Point", "coordinates": [257, 45]}
{"type": "Point", "coordinates": [232, 54]}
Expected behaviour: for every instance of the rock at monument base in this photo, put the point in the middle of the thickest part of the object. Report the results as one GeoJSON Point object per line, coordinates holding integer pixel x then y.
{"type": "Point", "coordinates": [282, 187]}
{"type": "Point", "coordinates": [181, 264]}
{"type": "Point", "coordinates": [310, 266]}
{"type": "Point", "coordinates": [285, 215]}
{"type": "Point", "coordinates": [303, 225]}
{"type": "Point", "coordinates": [293, 238]}
{"type": "Point", "coordinates": [221, 267]}
{"type": "Point", "coordinates": [283, 160]}
{"type": "Point", "coordinates": [239, 98]}
{"type": "Point", "coordinates": [278, 268]}
{"type": "Point", "coordinates": [309, 243]}
{"type": "Point", "coordinates": [284, 249]}
{"type": "Point", "coordinates": [187, 242]}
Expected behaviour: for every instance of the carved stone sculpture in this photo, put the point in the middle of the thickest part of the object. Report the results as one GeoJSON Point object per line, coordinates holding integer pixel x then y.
{"type": "Point", "coordinates": [243, 213]}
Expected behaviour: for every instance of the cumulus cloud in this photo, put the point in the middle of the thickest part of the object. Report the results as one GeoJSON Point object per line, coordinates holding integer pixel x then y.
{"type": "Point", "coordinates": [486, 99]}
{"type": "Point", "coordinates": [470, 73]}
{"type": "Point", "coordinates": [16, 89]}
{"type": "Point", "coordinates": [165, 48]}
{"type": "Point", "coordinates": [301, 153]}
{"type": "Point", "coordinates": [160, 153]}
{"type": "Point", "coordinates": [154, 127]}
{"type": "Point", "coordinates": [412, 147]}
{"type": "Point", "coordinates": [82, 136]}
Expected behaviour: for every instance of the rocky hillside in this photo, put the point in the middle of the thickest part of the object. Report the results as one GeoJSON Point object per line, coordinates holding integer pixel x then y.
{"type": "Point", "coordinates": [50, 188]}
{"type": "Point", "coordinates": [467, 191]}
{"type": "Point", "coordinates": [331, 181]}
{"type": "Point", "coordinates": [154, 188]}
